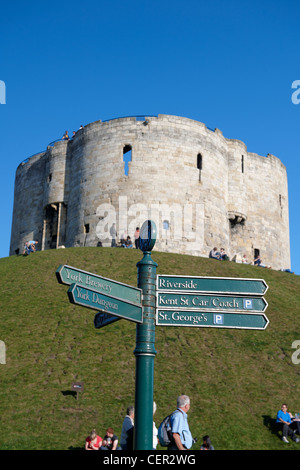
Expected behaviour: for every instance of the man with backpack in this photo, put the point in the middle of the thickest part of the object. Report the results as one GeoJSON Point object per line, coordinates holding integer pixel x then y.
{"type": "Point", "coordinates": [174, 431]}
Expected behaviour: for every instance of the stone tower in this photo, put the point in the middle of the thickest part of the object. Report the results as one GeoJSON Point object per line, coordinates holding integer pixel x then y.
{"type": "Point", "coordinates": [202, 190]}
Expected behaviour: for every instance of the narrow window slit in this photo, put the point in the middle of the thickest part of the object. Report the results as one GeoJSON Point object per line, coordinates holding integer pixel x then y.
{"type": "Point", "coordinates": [127, 154]}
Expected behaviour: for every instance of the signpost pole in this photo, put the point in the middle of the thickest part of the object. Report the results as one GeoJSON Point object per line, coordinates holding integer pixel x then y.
{"type": "Point", "coordinates": [145, 354]}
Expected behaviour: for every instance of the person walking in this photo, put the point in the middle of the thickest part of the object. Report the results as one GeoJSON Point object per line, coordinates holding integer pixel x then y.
{"type": "Point", "coordinates": [126, 440]}
{"type": "Point", "coordinates": [181, 434]}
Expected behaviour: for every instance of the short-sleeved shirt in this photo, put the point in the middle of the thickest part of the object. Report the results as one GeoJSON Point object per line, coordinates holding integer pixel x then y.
{"type": "Point", "coordinates": [112, 440]}
{"type": "Point", "coordinates": [96, 444]}
{"type": "Point", "coordinates": [285, 416]}
{"type": "Point", "coordinates": [179, 425]}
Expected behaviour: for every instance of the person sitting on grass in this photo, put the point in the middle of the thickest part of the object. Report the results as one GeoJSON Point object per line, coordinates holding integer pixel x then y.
{"type": "Point", "coordinates": [214, 253]}
{"type": "Point", "coordinates": [258, 262]}
{"type": "Point", "coordinates": [128, 243]}
{"type": "Point", "coordinates": [110, 441]}
{"type": "Point", "coordinates": [207, 445]}
{"type": "Point", "coordinates": [93, 441]}
{"type": "Point", "coordinates": [284, 422]}
{"type": "Point", "coordinates": [223, 255]}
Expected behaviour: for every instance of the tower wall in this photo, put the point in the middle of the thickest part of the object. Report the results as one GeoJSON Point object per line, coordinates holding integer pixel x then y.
{"type": "Point", "coordinates": [55, 184]}
{"type": "Point", "coordinates": [202, 189]}
{"type": "Point", "coordinates": [27, 221]}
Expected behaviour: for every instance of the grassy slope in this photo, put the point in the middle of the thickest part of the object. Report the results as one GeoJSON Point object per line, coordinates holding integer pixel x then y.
{"type": "Point", "coordinates": [237, 379]}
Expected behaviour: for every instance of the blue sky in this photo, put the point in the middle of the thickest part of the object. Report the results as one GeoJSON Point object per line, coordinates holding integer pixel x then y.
{"type": "Point", "coordinates": [228, 64]}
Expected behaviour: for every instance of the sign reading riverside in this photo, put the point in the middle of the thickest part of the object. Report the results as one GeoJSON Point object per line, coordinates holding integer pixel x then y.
{"type": "Point", "coordinates": [210, 319]}
{"type": "Point", "coordinates": [97, 301]}
{"type": "Point", "coordinates": [70, 275]}
{"type": "Point", "coordinates": [220, 285]}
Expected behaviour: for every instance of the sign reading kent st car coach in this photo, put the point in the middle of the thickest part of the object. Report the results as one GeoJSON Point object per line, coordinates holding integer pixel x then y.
{"type": "Point", "coordinates": [210, 302]}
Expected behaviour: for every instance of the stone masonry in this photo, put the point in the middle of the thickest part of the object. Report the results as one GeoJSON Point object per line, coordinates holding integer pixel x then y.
{"type": "Point", "coordinates": [201, 189]}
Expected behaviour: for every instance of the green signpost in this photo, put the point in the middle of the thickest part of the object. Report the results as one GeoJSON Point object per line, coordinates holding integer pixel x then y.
{"type": "Point", "coordinates": [145, 343]}
{"type": "Point", "coordinates": [165, 300]}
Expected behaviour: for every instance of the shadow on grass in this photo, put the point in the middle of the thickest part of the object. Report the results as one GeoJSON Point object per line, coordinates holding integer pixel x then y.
{"type": "Point", "coordinates": [69, 392]}
{"type": "Point", "coordinates": [271, 424]}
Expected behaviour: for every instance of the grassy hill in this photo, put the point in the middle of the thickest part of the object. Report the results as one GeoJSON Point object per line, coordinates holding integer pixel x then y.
{"type": "Point", "coordinates": [237, 379]}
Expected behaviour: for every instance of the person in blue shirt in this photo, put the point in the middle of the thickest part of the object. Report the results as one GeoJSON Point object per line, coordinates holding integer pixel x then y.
{"type": "Point", "coordinates": [182, 437]}
{"type": "Point", "coordinates": [285, 421]}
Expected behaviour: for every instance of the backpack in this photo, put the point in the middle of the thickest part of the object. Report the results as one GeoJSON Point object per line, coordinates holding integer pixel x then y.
{"type": "Point", "coordinates": [165, 431]}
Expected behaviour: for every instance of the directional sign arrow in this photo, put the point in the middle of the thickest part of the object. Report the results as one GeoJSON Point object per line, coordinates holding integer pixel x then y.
{"type": "Point", "coordinates": [96, 300]}
{"type": "Point", "coordinates": [220, 285]}
{"type": "Point", "coordinates": [70, 275]}
{"type": "Point", "coordinates": [102, 319]}
{"type": "Point", "coordinates": [210, 302]}
{"type": "Point", "coordinates": [210, 319]}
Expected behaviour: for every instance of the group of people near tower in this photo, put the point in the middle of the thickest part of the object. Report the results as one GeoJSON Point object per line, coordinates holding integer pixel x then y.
{"type": "Point", "coordinates": [66, 134]}
{"type": "Point", "coordinates": [29, 247]}
{"type": "Point", "coordinates": [125, 239]}
{"type": "Point", "coordinates": [222, 256]}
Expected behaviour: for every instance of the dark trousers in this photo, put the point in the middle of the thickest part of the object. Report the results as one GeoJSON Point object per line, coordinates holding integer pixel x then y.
{"type": "Point", "coordinates": [287, 430]}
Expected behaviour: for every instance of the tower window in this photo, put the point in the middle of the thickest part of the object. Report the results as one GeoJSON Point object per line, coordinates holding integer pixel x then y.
{"type": "Point", "coordinates": [86, 228]}
{"type": "Point", "coordinates": [166, 225]}
{"type": "Point", "coordinates": [127, 154]}
{"type": "Point", "coordinates": [242, 163]}
{"type": "Point", "coordinates": [280, 204]}
{"type": "Point", "coordinates": [199, 164]}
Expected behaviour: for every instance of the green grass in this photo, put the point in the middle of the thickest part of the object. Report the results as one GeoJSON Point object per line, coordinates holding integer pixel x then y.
{"type": "Point", "coordinates": [237, 379]}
